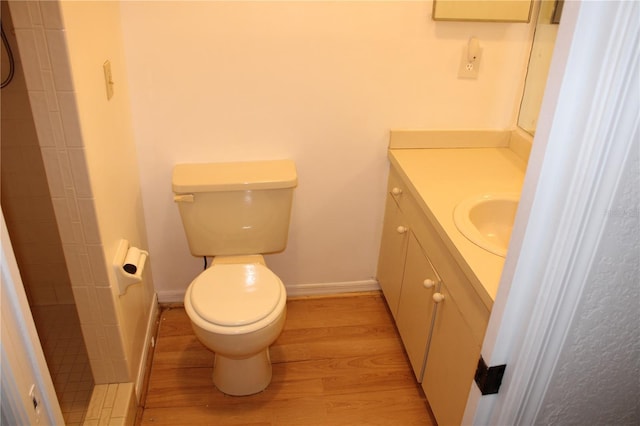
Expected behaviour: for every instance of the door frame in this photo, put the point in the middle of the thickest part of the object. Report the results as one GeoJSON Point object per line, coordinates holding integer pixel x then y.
{"type": "Point", "coordinates": [588, 128]}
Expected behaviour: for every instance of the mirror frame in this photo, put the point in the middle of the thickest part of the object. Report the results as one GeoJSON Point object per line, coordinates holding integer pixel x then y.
{"type": "Point", "coordinates": [517, 11]}
{"type": "Point", "coordinates": [546, 29]}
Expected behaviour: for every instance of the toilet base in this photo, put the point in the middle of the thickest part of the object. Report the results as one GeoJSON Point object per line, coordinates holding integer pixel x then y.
{"type": "Point", "coordinates": [239, 377]}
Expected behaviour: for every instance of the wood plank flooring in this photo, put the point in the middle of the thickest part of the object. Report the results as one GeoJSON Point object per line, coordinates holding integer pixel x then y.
{"type": "Point", "coordinates": [339, 361]}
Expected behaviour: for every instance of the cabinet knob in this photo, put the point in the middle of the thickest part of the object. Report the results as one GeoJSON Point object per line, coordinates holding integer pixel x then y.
{"type": "Point", "coordinates": [401, 229]}
{"type": "Point", "coordinates": [428, 283]}
{"type": "Point", "coordinates": [438, 297]}
{"type": "Point", "coordinates": [396, 191]}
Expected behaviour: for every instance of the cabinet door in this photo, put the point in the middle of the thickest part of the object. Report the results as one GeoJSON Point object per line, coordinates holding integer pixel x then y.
{"type": "Point", "coordinates": [416, 307]}
{"type": "Point", "coordinates": [393, 249]}
{"type": "Point", "coordinates": [451, 362]}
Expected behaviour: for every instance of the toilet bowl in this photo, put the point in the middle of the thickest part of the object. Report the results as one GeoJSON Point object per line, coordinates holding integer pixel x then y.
{"type": "Point", "coordinates": [235, 213]}
{"type": "Point", "coordinates": [237, 309]}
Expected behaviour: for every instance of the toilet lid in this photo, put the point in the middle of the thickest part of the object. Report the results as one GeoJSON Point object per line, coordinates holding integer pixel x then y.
{"type": "Point", "coordinates": [235, 294]}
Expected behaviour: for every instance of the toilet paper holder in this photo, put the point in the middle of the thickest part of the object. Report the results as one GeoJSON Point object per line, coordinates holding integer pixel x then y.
{"type": "Point", "coordinates": [128, 264]}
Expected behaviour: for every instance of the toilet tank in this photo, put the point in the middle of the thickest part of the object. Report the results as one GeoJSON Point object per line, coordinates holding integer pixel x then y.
{"type": "Point", "coordinates": [235, 208]}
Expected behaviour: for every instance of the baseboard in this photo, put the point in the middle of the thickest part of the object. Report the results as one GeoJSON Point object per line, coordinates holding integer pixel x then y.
{"type": "Point", "coordinates": [174, 296]}
{"type": "Point", "coordinates": [151, 327]}
{"type": "Point", "coordinates": [296, 290]}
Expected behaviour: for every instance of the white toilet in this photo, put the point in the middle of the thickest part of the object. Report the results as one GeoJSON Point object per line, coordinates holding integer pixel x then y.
{"type": "Point", "coordinates": [236, 212]}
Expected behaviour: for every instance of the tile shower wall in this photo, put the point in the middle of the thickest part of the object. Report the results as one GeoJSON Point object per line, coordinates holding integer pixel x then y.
{"type": "Point", "coordinates": [41, 40]}
{"type": "Point", "coordinates": [26, 201]}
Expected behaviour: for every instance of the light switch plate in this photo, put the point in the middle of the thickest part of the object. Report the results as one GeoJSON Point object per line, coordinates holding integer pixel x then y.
{"type": "Point", "coordinates": [108, 79]}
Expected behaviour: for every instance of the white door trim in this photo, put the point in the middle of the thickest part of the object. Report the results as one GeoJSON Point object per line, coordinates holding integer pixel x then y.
{"type": "Point", "coordinates": [589, 123]}
{"type": "Point", "coordinates": [23, 362]}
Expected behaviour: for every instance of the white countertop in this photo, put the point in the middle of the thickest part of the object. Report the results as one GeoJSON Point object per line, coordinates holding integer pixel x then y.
{"type": "Point", "coordinates": [440, 178]}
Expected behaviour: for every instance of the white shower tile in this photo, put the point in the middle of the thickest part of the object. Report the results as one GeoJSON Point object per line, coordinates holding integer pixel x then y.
{"type": "Point", "coordinates": [116, 348]}
{"type": "Point", "coordinates": [20, 14]}
{"type": "Point", "coordinates": [29, 57]}
{"type": "Point", "coordinates": [85, 268]}
{"type": "Point", "coordinates": [37, 183]}
{"type": "Point", "coordinates": [89, 220]}
{"type": "Point", "coordinates": [100, 371]}
{"type": "Point", "coordinates": [74, 212]}
{"type": "Point", "coordinates": [78, 235]}
{"type": "Point", "coordinates": [110, 396]}
{"type": "Point", "coordinates": [57, 129]}
{"type": "Point", "coordinates": [34, 13]}
{"type": "Point", "coordinates": [103, 344]}
{"type": "Point", "coordinates": [40, 112]}
{"type": "Point", "coordinates": [19, 132]}
{"type": "Point", "coordinates": [31, 156]}
{"type": "Point", "coordinates": [73, 249]}
{"type": "Point", "coordinates": [91, 340]}
{"type": "Point", "coordinates": [64, 294]}
{"type": "Point", "coordinates": [42, 50]}
{"type": "Point", "coordinates": [11, 192]}
{"type": "Point", "coordinates": [65, 168]}
{"type": "Point", "coordinates": [79, 172]}
{"type": "Point", "coordinates": [54, 175]}
{"type": "Point", "coordinates": [64, 221]}
{"type": "Point", "coordinates": [74, 266]}
{"type": "Point", "coordinates": [51, 15]}
{"type": "Point", "coordinates": [49, 91]}
{"type": "Point", "coordinates": [70, 119]}
{"type": "Point", "coordinates": [98, 265]}
{"type": "Point", "coordinates": [12, 160]}
{"type": "Point", "coordinates": [124, 402]}
{"type": "Point", "coordinates": [15, 105]}
{"type": "Point", "coordinates": [111, 371]}
{"type": "Point", "coordinates": [97, 398]}
{"type": "Point", "coordinates": [106, 306]}
{"type": "Point", "coordinates": [120, 370]}
{"type": "Point", "coordinates": [43, 296]}
{"type": "Point", "coordinates": [86, 310]}
{"type": "Point", "coordinates": [47, 231]}
{"type": "Point", "coordinates": [56, 40]}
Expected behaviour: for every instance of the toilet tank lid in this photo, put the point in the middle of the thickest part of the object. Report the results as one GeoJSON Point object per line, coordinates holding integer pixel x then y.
{"type": "Point", "coordinates": [208, 177]}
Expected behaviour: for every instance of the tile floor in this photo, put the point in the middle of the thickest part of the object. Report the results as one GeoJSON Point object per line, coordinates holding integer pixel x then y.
{"type": "Point", "coordinates": [61, 338]}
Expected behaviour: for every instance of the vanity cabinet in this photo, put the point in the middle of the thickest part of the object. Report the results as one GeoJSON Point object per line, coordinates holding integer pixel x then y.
{"type": "Point", "coordinates": [416, 307]}
{"type": "Point", "coordinates": [393, 249]}
{"type": "Point", "coordinates": [440, 317]}
{"type": "Point", "coordinates": [451, 364]}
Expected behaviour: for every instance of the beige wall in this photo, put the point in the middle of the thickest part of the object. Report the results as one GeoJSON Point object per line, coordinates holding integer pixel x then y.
{"type": "Point", "coordinates": [93, 35]}
{"type": "Point", "coordinates": [89, 155]}
{"type": "Point", "coordinates": [319, 82]}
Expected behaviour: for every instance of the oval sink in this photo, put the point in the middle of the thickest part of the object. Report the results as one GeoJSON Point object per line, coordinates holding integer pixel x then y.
{"type": "Point", "coordinates": [487, 220]}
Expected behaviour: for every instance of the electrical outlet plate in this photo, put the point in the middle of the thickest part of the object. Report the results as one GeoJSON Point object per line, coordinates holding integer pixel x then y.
{"type": "Point", "coordinates": [469, 69]}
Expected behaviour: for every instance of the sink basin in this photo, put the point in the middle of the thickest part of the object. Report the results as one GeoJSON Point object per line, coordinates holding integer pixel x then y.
{"type": "Point", "coordinates": [487, 220]}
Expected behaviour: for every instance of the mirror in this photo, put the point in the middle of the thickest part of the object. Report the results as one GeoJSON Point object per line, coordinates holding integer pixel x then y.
{"type": "Point", "coordinates": [482, 10]}
{"type": "Point", "coordinates": [539, 62]}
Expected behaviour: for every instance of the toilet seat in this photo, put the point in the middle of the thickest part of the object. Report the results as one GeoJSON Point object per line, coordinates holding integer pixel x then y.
{"type": "Point", "coordinates": [235, 295]}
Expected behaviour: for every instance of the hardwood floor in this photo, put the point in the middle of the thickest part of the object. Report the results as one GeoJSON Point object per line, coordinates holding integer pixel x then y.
{"type": "Point", "coordinates": [339, 361]}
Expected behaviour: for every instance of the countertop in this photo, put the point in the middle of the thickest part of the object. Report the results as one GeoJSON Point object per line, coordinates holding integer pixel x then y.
{"type": "Point", "coordinates": [440, 178]}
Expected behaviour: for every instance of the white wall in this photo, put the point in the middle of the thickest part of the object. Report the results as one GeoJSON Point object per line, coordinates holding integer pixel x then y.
{"type": "Point", "coordinates": [94, 35]}
{"type": "Point", "coordinates": [319, 82]}
{"type": "Point", "coordinates": [596, 379]}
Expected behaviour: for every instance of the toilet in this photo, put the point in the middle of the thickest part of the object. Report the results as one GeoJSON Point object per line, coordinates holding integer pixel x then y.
{"type": "Point", "coordinates": [235, 213]}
